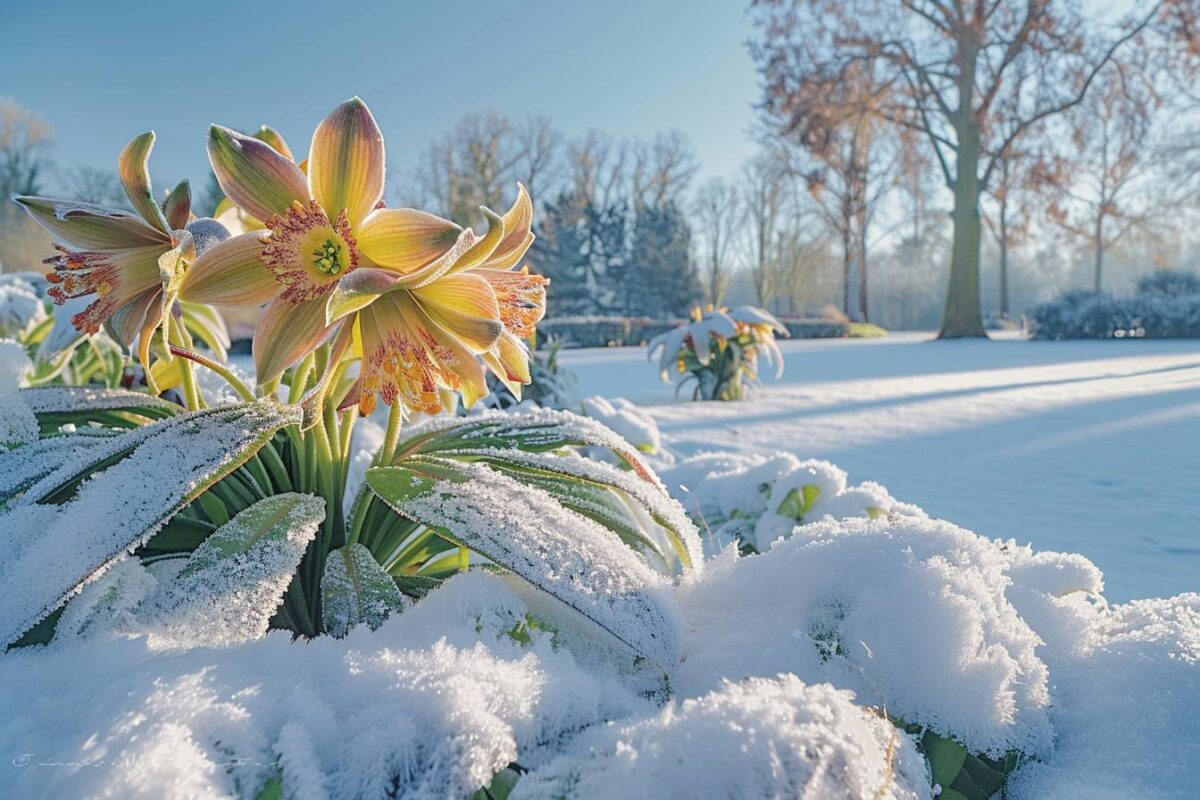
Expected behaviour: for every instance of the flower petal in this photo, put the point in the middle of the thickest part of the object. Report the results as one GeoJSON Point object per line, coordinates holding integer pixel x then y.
{"type": "Point", "coordinates": [267, 134]}
{"type": "Point", "coordinates": [178, 205]}
{"type": "Point", "coordinates": [230, 274]}
{"type": "Point", "coordinates": [90, 227]}
{"type": "Point", "coordinates": [522, 298]}
{"type": "Point", "coordinates": [509, 361]}
{"type": "Point", "coordinates": [134, 172]}
{"type": "Point", "coordinates": [518, 236]}
{"type": "Point", "coordinates": [126, 321]}
{"type": "Point", "coordinates": [346, 162]}
{"type": "Point", "coordinates": [285, 334]}
{"type": "Point", "coordinates": [464, 306]}
{"type": "Point", "coordinates": [253, 174]}
{"type": "Point", "coordinates": [484, 248]}
{"type": "Point", "coordinates": [357, 290]}
{"type": "Point", "coordinates": [404, 239]}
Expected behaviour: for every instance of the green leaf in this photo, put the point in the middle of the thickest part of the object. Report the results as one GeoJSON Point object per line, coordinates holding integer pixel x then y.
{"type": "Point", "coordinates": [946, 757]}
{"type": "Point", "coordinates": [355, 589]}
{"type": "Point", "coordinates": [55, 406]}
{"type": "Point", "coordinates": [799, 502]}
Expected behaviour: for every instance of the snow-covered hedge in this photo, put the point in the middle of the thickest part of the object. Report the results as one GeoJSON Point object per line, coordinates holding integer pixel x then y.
{"type": "Point", "coordinates": [1166, 306]}
{"type": "Point", "coordinates": [603, 331]}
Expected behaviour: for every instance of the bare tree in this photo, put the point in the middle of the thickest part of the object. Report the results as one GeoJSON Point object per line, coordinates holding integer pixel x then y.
{"type": "Point", "coordinates": [662, 169]}
{"type": "Point", "coordinates": [24, 146]}
{"type": "Point", "coordinates": [973, 76]}
{"type": "Point", "coordinates": [718, 215]}
{"type": "Point", "coordinates": [838, 130]}
{"type": "Point", "coordinates": [1020, 188]}
{"type": "Point", "coordinates": [93, 185]}
{"type": "Point", "coordinates": [1102, 193]}
{"type": "Point", "coordinates": [765, 186]}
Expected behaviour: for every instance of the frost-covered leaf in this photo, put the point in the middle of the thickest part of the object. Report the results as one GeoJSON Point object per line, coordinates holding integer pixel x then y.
{"type": "Point", "coordinates": [525, 530]}
{"type": "Point", "coordinates": [528, 446]}
{"type": "Point", "coordinates": [24, 466]}
{"type": "Point", "coordinates": [106, 604]}
{"type": "Point", "coordinates": [355, 589]}
{"type": "Point", "coordinates": [55, 406]}
{"type": "Point", "coordinates": [119, 508]}
{"type": "Point", "coordinates": [231, 585]}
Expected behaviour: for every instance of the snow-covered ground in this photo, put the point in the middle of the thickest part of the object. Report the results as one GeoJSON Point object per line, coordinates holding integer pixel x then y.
{"type": "Point", "coordinates": [1090, 446]}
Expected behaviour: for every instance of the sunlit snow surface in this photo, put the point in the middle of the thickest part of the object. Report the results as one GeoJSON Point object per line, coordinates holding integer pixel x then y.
{"type": "Point", "coordinates": [1090, 447]}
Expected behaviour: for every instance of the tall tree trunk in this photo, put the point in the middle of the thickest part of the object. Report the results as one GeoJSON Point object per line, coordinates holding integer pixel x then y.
{"type": "Point", "coordinates": [1004, 258]}
{"type": "Point", "coordinates": [1098, 243]}
{"type": "Point", "coordinates": [963, 317]}
{"type": "Point", "coordinates": [862, 283]}
{"type": "Point", "coordinates": [852, 268]}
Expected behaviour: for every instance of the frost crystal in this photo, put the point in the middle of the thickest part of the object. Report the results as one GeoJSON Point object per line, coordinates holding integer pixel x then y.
{"type": "Point", "coordinates": [231, 585]}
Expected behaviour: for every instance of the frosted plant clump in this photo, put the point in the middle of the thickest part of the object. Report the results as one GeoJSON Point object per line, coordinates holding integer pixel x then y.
{"type": "Point", "coordinates": [572, 558]}
{"type": "Point", "coordinates": [755, 499]}
{"type": "Point", "coordinates": [20, 306]}
{"type": "Point", "coordinates": [770, 738]}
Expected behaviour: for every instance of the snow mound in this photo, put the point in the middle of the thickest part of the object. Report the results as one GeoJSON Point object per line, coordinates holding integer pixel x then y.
{"type": "Point", "coordinates": [1126, 701]}
{"type": "Point", "coordinates": [910, 614]}
{"type": "Point", "coordinates": [630, 422]}
{"type": "Point", "coordinates": [18, 425]}
{"type": "Point", "coordinates": [432, 704]}
{"type": "Point", "coordinates": [760, 738]}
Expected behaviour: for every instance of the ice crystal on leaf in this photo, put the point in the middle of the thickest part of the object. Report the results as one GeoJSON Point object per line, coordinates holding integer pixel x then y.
{"type": "Point", "coordinates": [17, 422]}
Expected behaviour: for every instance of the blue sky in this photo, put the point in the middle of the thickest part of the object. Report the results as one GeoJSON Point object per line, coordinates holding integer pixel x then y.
{"type": "Point", "coordinates": [103, 72]}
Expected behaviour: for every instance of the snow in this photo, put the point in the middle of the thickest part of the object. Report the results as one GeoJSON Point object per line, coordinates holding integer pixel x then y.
{"type": "Point", "coordinates": [909, 614]}
{"type": "Point", "coordinates": [774, 672]}
{"type": "Point", "coordinates": [1081, 446]}
{"type": "Point", "coordinates": [436, 701]}
{"type": "Point", "coordinates": [761, 738]}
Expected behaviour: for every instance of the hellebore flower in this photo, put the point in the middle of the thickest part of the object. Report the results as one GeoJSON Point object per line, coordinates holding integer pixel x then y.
{"type": "Point", "coordinates": [423, 298]}
{"type": "Point", "coordinates": [128, 261]}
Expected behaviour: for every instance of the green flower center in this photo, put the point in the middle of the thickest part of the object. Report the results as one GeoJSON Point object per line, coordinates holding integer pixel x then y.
{"type": "Point", "coordinates": [328, 258]}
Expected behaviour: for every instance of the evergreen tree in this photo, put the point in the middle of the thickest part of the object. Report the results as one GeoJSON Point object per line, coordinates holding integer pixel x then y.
{"type": "Point", "coordinates": [662, 279]}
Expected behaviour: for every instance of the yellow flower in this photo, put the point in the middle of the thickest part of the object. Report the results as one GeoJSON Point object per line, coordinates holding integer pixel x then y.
{"type": "Point", "coordinates": [425, 299]}
{"type": "Point", "coordinates": [128, 261]}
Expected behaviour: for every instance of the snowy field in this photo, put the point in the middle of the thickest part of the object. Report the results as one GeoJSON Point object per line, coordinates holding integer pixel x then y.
{"type": "Point", "coordinates": [1088, 446]}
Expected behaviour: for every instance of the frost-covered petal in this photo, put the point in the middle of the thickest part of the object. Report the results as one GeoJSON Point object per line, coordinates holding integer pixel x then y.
{"type": "Point", "coordinates": [405, 239]}
{"type": "Point", "coordinates": [253, 174]}
{"type": "Point", "coordinates": [90, 227]}
{"type": "Point", "coordinates": [346, 162]}
{"type": "Point", "coordinates": [134, 171]}
{"type": "Point", "coordinates": [285, 333]}
{"type": "Point", "coordinates": [508, 359]}
{"type": "Point", "coordinates": [231, 273]}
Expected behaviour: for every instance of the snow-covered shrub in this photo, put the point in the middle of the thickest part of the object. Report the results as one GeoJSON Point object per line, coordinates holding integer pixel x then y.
{"type": "Point", "coordinates": [1172, 283]}
{"type": "Point", "coordinates": [752, 499]}
{"type": "Point", "coordinates": [20, 306]}
{"type": "Point", "coordinates": [718, 351]}
{"type": "Point", "coordinates": [1166, 306]}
